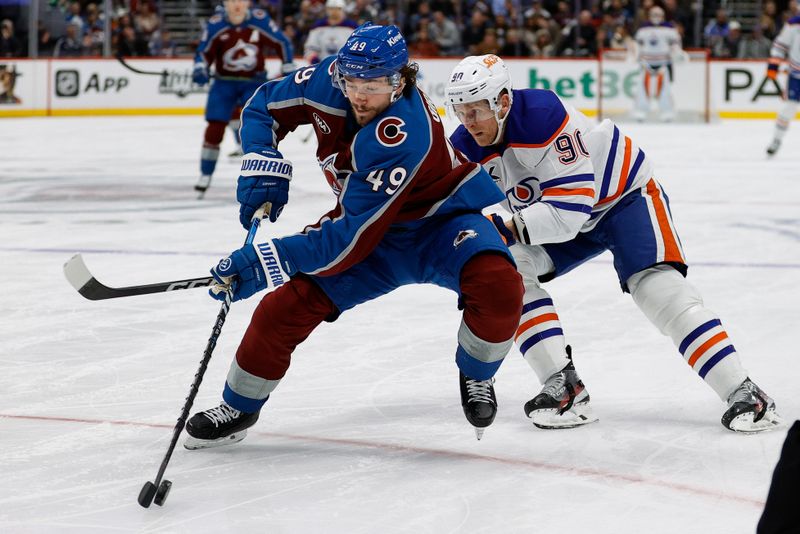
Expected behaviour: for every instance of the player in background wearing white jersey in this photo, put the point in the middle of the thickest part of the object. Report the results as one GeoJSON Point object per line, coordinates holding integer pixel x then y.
{"type": "Point", "coordinates": [655, 46]}
{"type": "Point", "coordinates": [786, 46]}
{"type": "Point", "coordinates": [577, 189]}
{"type": "Point", "coordinates": [328, 35]}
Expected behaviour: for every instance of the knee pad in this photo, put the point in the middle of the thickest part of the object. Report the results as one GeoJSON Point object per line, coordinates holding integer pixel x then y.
{"type": "Point", "coordinates": [664, 295]}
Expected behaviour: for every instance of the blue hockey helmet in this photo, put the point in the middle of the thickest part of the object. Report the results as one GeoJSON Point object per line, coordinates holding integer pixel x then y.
{"type": "Point", "coordinates": [372, 51]}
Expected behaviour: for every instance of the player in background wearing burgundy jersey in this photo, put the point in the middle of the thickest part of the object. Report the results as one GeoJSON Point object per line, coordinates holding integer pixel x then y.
{"type": "Point", "coordinates": [577, 189]}
{"type": "Point", "coordinates": [786, 46]}
{"type": "Point", "coordinates": [408, 211]}
{"type": "Point", "coordinates": [233, 43]}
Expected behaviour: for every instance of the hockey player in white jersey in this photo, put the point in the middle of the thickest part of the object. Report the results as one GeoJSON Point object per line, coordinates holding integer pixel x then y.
{"type": "Point", "coordinates": [577, 189]}
{"type": "Point", "coordinates": [656, 45]}
{"type": "Point", "coordinates": [328, 35]}
{"type": "Point", "coordinates": [786, 46]}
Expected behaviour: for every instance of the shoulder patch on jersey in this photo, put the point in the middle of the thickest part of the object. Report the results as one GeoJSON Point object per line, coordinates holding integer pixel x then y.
{"type": "Point", "coordinates": [259, 14]}
{"type": "Point", "coordinates": [216, 19]}
{"type": "Point", "coordinates": [321, 124]}
{"type": "Point", "coordinates": [539, 119]}
{"type": "Point", "coordinates": [389, 131]}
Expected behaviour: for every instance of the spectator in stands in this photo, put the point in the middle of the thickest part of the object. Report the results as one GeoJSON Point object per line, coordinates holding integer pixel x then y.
{"type": "Point", "coordinates": [445, 32]}
{"type": "Point", "coordinates": [543, 45]}
{"type": "Point", "coordinates": [71, 44]}
{"type": "Point", "coordinates": [564, 14]}
{"type": "Point", "coordinates": [716, 30]}
{"type": "Point", "coordinates": [145, 21]}
{"type": "Point", "coordinates": [421, 43]}
{"type": "Point", "coordinates": [754, 45]}
{"type": "Point", "coordinates": [162, 44]}
{"type": "Point", "coordinates": [10, 46]}
{"type": "Point", "coordinates": [45, 38]}
{"type": "Point", "coordinates": [580, 40]}
{"type": "Point", "coordinates": [362, 11]}
{"type": "Point", "coordinates": [94, 35]}
{"type": "Point", "coordinates": [474, 31]}
{"type": "Point", "coordinates": [489, 44]}
{"type": "Point", "coordinates": [768, 22]}
{"type": "Point", "coordinates": [128, 41]}
{"type": "Point", "coordinates": [328, 35]}
{"type": "Point", "coordinates": [515, 46]}
{"type": "Point", "coordinates": [415, 20]}
{"type": "Point", "coordinates": [73, 16]}
{"type": "Point", "coordinates": [728, 46]}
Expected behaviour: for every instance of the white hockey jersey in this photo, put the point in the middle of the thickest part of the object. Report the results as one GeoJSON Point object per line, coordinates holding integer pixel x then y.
{"type": "Point", "coordinates": [325, 40]}
{"type": "Point", "coordinates": [787, 45]}
{"type": "Point", "coordinates": [655, 45]}
{"type": "Point", "coordinates": [558, 169]}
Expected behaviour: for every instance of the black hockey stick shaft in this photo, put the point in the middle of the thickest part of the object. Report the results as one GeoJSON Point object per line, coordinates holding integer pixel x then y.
{"type": "Point", "coordinates": [198, 377]}
{"type": "Point", "coordinates": [130, 67]}
{"type": "Point", "coordinates": [79, 276]}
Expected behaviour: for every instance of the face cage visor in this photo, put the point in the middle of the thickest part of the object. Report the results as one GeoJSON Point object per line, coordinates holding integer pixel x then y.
{"type": "Point", "coordinates": [473, 112]}
{"type": "Point", "coordinates": [374, 81]}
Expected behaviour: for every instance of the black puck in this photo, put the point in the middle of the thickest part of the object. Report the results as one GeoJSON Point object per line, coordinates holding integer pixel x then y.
{"type": "Point", "coordinates": [163, 491]}
{"type": "Point", "coordinates": [147, 494]}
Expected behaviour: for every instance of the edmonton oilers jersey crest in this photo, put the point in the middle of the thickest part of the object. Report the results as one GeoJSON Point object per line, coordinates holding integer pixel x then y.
{"type": "Point", "coordinates": [523, 193]}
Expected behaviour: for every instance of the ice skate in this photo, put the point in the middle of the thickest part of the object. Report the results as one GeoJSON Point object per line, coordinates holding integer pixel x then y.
{"type": "Point", "coordinates": [478, 401]}
{"type": "Point", "coordinates": [236, 153]}
{"type": "Point", "coordinates": [773, 147]}
{"type": "Point", "coordinates": [202, 185]}
{"type": "Point", "coordinates": [750, 410]}
{"type": "Point", "coordinates": [218, 426]}
{"type": "Point", "coordinates": [563, 401]}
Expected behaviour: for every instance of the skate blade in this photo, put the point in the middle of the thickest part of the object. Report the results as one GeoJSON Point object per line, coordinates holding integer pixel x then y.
{"type": "Point", "coordinates": [574, 417]}
{"type": "Point", "coordinates": [479, 432]}
{"type": "Point", "coordinates": [194, 444]}
{"type": "Point", "coordinates": [743, 423]}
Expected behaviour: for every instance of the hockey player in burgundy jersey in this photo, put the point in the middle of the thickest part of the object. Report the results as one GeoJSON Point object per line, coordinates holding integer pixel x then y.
{"type": "Point", "coordinates": [408, 211]}
{"type": "Point", "coordinates": [233, 43]}
{"type": "Point", "coordinates": [577, 189]}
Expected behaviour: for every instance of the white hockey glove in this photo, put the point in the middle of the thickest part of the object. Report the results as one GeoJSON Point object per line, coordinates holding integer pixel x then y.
{"type": "Point", "coordinates": [521, 231]}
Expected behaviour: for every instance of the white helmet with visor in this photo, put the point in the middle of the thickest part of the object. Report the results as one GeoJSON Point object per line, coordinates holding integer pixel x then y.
{"type": "Point", "coordinates": [478, 78]}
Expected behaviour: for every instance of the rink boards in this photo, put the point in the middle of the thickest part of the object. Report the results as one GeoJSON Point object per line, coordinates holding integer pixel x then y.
{"type": "Point", "coordinates": [91, 86]}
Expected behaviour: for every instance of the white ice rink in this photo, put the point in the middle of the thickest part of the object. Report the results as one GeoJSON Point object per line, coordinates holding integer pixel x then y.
{"type": "Point", "coordinates": [366, 433]}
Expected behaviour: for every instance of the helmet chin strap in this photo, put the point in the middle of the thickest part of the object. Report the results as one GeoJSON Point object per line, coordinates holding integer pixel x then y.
{"type": "Point", "coordinates": [501, 125]}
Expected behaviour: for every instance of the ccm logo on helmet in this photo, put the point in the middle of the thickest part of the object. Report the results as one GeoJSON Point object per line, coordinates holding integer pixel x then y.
{"type": "Point", "coordinates": [389, 131]}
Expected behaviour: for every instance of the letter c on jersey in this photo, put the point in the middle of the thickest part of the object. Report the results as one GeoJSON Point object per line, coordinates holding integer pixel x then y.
{"type": "Point", "coordinates": [389, 131]}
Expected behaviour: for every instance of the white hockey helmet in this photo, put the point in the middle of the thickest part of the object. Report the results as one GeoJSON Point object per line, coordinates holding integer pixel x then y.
{"type": "Point", "coordinates": [478, 78]}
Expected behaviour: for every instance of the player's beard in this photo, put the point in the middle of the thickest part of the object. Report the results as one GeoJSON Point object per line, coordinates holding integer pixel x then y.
{"type": "Point", "coordinates": [364, 114]}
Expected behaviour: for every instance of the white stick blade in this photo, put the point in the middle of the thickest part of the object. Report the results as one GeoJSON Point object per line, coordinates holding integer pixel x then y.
{"type": "Point", "coordinates": [76, 272]}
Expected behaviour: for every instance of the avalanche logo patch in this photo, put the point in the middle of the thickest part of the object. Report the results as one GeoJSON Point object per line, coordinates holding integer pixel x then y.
{"type": "Point", "coordinates": [462, 236]}
{"type": "Point", "coordinates": [321, 124]}
{"type": "Point", "coordinates": [389, 131]}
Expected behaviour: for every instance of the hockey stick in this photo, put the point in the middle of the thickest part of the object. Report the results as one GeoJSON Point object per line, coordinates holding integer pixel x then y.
{"type": "Point", "coordinates": [164, 73]}
{"type": "Point", "coordinates": [158, 490]}
{"type": "Point", "coordinates": [86, 284]}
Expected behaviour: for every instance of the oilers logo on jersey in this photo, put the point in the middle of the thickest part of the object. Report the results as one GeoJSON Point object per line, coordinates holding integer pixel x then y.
{"type": "Point", "coordinates": [523, 193]}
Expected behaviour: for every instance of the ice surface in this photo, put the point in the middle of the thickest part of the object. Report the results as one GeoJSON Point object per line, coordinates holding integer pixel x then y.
{"type": "Point", "coordinates": [366, 434]}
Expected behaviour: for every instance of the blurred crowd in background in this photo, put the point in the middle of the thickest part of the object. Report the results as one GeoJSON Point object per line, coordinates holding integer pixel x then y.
{"type": "Point", "coordinates": [522, 28]}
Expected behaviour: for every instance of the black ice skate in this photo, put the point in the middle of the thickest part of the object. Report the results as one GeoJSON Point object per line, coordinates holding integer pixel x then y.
{"type": "Point", "coordinates": [750, 410]}
{"type": "Point", "coordinates": [773, 147]}
{"type": "Point", "coordinates": [218, 426]}
{"type": "Point", "coordinates": [202, 185]}
{"type": "Point", "coordinates": [563, 401]}
{"type": "Point", "coordinates": [478, 401]}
